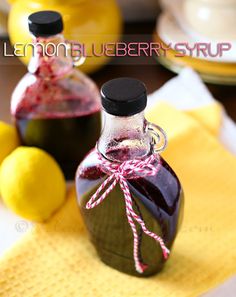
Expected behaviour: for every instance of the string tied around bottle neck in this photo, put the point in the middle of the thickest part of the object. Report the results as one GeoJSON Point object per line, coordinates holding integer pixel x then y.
{"type": "Point", "coordinates": [119, 173]}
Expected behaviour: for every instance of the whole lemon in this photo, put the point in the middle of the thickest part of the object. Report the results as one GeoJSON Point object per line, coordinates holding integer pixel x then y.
{"type": "Point", "coordinates": [32, 183]}
{"type": "Point", "coordinates": [8, 140]}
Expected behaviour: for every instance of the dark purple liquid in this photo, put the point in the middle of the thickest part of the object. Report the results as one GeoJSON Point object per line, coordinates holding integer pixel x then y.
{"type": "Point", "coordinates": [157, 199]}
{"type": "Point", "coordinates": [66, 139]}
{"type": "Point", "coordinates": [57, 108]}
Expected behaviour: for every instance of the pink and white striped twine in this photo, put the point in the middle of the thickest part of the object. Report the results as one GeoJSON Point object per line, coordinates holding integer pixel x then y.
{"type": "Point", "coordinates": [118, 173]}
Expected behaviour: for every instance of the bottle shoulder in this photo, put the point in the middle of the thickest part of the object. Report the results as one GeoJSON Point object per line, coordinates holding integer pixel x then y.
{"type": "Point", "coordinates": [90, 168]}
{"type": "Point", "coordinates": [165, 182]}
{"type": "Point", "coordinates": [72, 93]}
{"type": "Point", "coordinates": [91, 161]}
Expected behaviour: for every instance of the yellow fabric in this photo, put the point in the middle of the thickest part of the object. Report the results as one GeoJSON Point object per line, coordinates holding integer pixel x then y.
{"type": "Point", "coordinates": [57, 259]}
{"type": "Point", "coordinates": [209, 116]}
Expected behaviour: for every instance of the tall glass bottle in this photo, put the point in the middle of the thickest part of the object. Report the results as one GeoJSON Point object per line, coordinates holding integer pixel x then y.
{"type": "Point", "coordinates": [55, 106]}
{"type": "Point", "coordinates": [156, 196]}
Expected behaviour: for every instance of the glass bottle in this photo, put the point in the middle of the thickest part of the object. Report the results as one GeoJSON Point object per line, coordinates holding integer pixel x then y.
{"type": "Point", "coordinates": [55, 107]}
{"type": "Point", "coordinates": [157, 199]}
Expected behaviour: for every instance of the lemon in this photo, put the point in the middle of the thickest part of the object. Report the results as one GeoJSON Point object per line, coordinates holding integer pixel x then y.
{"type": "Point", "coordinates": [8, 140]}
{"type": "Point", "coordinates": [32, 183]}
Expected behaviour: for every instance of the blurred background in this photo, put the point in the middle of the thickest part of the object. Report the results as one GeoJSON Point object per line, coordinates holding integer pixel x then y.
{"type": "Point", "coordinates": [163, 21]}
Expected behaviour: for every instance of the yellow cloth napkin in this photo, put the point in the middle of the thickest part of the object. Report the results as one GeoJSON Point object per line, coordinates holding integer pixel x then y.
{"type": "Point", "coordinates": [57, 259]}
{"type": "Point", "coordinates": [210, 116]}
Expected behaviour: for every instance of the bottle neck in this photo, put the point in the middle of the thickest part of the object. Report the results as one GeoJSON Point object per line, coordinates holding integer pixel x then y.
{"type": "Point", "coordinates": [50, 57]}
{"type": "Point", "coordinates": [124, 138]}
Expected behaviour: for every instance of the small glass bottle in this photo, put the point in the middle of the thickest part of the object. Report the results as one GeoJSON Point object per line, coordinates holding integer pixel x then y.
{"type": "Point", "coordinates": [127, 154]}
{"type": "Point", "coordinates": [55, 107]}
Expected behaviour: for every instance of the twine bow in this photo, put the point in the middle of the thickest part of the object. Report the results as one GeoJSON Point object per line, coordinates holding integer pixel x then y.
{"type": "Point", "coordinates": [118, 173]}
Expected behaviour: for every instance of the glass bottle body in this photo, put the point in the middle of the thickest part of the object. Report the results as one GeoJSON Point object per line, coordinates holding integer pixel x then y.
{"type": "Point", "coordinates": [157, 199]}
{"type": "Point", "coordinates": [55, 107]}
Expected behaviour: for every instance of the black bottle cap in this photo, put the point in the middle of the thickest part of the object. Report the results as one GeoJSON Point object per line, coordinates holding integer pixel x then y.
{"type": "Point", "coordinates": [45, 23]}
{"type": "Point", "coordinates": [124, 96]}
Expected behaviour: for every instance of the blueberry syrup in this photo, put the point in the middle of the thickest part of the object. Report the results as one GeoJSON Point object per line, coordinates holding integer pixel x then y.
{"type": "Point", "coordinates": [157, 199]}
{"type": "Point", "coordinates": [57, 108]}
